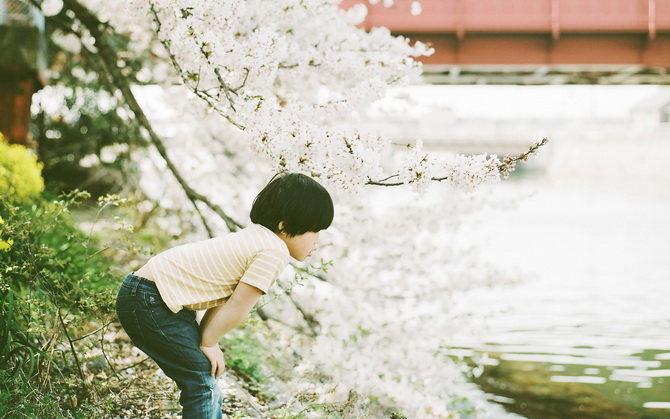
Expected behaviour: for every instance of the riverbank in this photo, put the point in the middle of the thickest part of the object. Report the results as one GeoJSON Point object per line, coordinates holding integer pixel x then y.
{"type": "Point", "coordinates": [586, 333]}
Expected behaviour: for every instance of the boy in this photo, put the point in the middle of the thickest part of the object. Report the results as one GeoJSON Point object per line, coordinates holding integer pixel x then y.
{"type": "Point", "coordinates": [225, 276]}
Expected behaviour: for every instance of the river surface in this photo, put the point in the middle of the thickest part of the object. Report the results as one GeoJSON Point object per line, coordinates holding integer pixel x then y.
{"type": "Point", "coordinates": [593, 303]}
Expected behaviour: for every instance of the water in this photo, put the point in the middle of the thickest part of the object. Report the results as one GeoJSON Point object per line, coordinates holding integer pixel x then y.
{"type": "Point", "coordinates": [591, 241]}
{"type": "Point", "coordinates": [593, 307]}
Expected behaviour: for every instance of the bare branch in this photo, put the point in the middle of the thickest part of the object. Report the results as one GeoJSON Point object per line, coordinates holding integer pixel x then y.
{"type": "Point", "coordinates": [509, 162]}
{"type": "Point", "coordinates": [505, 168]}
{"type": "Point", "coordinates": [72, 349]}
{"type": "Point", "coordinates": [225, 88]}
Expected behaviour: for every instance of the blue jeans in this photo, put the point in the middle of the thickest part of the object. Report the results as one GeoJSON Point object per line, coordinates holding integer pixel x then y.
{"type": "Point", "coordinates": [173, 341]}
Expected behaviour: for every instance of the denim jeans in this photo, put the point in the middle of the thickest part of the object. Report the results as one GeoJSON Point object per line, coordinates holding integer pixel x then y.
{"type": "Point", "coordinates": [173, 341]}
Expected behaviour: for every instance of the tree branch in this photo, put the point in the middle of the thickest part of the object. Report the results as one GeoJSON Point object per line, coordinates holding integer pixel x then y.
{"type": "Point", "coordinates": [109, 58]}
{"type": "Point", "coordinates": [200, 93]}
{"type": "Point", "coordinates": [505, 168]}
{"type": "Point", "coordinates": [72, 348]}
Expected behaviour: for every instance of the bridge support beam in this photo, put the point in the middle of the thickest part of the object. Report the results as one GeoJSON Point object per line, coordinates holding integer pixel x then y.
{"type": "Point", "coordinates": [541, 49]}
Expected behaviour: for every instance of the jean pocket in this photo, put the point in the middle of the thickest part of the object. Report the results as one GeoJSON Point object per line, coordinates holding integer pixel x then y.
{"type": "Point", "coordinates": [126, 302]}
{"type": "Point", "coordinates": [153, 301]}
{"type": "Point", "coordinates": [131, 325]}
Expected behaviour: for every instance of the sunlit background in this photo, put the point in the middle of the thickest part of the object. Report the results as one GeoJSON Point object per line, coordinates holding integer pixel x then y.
{"type": "Point", "coordinates": [589, 236]}
{"type": "Point", "coordinates": [586, 330]}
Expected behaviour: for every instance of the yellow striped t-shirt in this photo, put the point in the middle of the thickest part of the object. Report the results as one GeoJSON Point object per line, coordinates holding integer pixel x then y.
{"type": "Point", "coordinates": [201, 275]}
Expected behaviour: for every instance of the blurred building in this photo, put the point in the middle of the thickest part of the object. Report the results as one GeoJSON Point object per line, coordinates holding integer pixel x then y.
{"type": "Point", "coordinates": [535, 41]}
{"type": "Point", "coordinates": [22, 59]}
{"type": "Point", "coordinates": [653, 111]}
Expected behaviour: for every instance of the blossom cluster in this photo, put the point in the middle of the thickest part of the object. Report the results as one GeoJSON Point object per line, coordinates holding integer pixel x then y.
{"type": "Point", "coordinates": [398, 260]}
{"type": "Point", "coordinates": [400, 267]}
{"type": "Point", "coordinates": [294, 76]}
{"type": "Point", "coordinates": [290, 81]}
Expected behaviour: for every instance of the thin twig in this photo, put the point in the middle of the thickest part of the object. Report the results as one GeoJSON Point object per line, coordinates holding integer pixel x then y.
{"type": "Point", "coordinates": [210, 233]}
{"type": "Point", "coordinates": [227, 90]}
{"type": "Point", "coordinates": [97, 253]}
{"type": "Point", "coordinates": [200, 93]}
{"type": "Point", "coordinates": [93, 332]}
{"type": "Point", "coordinates": [146, 404]}
{"type": "Point", "coordinates": [507, 166]}
{"type": "Point", "coordinates": [72, 348]}
{"type": "Point", "coordinates": [244, 82]}
{"type": "Point", "coordinates": [128, 367]}
{"type": "Point", "coordinates": [253, 404]}
{"type": "Point", "coordinates": [102, 347]}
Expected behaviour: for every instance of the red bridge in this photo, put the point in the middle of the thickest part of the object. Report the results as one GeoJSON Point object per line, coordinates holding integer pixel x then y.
{"type": "Point", "coordinates": [535, 41]}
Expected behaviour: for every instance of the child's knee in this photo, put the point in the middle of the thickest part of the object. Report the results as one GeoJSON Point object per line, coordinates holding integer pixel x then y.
{"type": "Point", "coordinates": [201, 397]}
{"type": "Point", "coordinates": [200, 388]}
{"type": "Point", "coordinates": [200, 382]}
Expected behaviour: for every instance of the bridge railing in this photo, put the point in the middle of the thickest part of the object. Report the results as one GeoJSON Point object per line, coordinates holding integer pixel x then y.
{"type": "Point", "coordinates": [518, 16]}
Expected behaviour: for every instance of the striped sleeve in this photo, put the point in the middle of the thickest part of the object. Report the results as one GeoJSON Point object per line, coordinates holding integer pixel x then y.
{"type": "Point", "coordinates": [264, 269]}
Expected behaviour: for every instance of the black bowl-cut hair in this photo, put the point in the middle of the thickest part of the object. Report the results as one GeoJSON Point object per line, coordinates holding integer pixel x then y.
{"type": "Point", "coordinates": [296, 199]}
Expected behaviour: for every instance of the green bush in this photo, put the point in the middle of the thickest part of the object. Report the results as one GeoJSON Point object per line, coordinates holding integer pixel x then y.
{"type": "Point", "coordinates": [53, 283]}
{"type": "Point", "coordinates": [20, 173]}
{"type": "Point", "coordinates": [245, 354]}
{"type": "Point", "coordinates": [49, 259]}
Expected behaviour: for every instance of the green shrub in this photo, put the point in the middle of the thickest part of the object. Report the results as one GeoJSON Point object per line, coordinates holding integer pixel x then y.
{"type": "Point", "coordinates": [20, 173]}
{"type": "Point", "coordinates": [53, 283]}
{"type": "Point", "coordinates": [245, 354]}
{"type": "Point", "coordinates": [47, 258]}
{"type": "Point", "coordinates": [20, 400]}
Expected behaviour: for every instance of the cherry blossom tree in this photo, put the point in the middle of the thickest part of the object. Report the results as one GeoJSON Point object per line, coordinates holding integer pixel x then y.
{"type": "Point", "coordinates": [243, 89]}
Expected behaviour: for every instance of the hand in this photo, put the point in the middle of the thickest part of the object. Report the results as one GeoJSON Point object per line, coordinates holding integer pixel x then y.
{"type": "Point", "coordinates": [215, 356]}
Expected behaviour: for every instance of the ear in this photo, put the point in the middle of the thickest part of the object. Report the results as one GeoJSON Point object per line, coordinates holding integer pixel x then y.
{"type": "Point", "coordinates": [280, 226]}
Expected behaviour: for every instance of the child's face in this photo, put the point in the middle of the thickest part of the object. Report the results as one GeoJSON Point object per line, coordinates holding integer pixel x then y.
{"type": "Point", "coordinates": [302, 245]}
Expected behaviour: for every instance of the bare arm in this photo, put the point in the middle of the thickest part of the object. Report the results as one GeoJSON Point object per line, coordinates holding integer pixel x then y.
{"type": "Point", "coordinates": [220, 320]}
